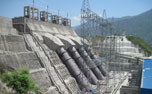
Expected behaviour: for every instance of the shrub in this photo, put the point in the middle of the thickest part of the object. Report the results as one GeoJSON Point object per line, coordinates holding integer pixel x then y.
{"type": "Point", "coordinates": [138, 41]}
{"type": "Point", "coordinates": [21, 81]}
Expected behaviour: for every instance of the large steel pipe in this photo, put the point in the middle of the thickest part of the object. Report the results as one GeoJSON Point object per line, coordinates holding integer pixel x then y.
{"type": "Point", "coordinates": [90, 63]}
{"type": "Point", "coordinates": [83, 66]}
{"type": "Point", "coordinates": [97, 62]}
{"type": "Point", "coordinates": [73, 68]}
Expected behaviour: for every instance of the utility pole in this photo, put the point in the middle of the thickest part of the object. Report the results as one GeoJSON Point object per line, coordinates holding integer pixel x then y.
{"type": "Point", "coordinates": [58, 12]}
{"type": "Point", "coordinates": [67, 15]}
{"type": "Point", "coordinates": [33, 10]}
{"type": "Point", "coordinates": [33, 3]}
{"type": "Point", "coordinates": [47, 8]}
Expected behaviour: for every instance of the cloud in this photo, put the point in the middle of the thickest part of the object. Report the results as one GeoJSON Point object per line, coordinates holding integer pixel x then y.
{"type": "Point", "coordinates": [76, 18]}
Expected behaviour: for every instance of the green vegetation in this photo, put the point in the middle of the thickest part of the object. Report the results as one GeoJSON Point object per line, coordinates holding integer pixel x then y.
{"type": "Point", "coordinates": [140, 25]}
{"type": "Point", "coordinates": [137, 62]}
{"type": "Point", "coordinates": [141, 43]}
{"type": "Point", "coordinates": [21, 81]}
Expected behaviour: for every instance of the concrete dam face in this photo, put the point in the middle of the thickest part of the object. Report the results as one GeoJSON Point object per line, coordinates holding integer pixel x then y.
{"type": "Point", "coordinates": [55, 55]}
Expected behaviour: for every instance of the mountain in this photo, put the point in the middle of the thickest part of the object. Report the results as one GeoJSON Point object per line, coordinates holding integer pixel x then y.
{"type": "Point", "coordinates": [139, 25]}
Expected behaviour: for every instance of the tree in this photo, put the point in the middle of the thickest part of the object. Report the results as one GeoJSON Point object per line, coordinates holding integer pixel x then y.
{"type": "Point", "coordinates": [21, 81]}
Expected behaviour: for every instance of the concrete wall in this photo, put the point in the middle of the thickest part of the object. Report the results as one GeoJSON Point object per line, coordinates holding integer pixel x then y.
{"type": "Point", "coordinates": [14, 54]}
{"type": "Point", "coordinates": [18, 61]}
{"type": "Point", "coordinates": [122, 44]}
{"type": "Point", "coordinates": [6, 26]}
{"type": "Point", "coordinates": [50, 27]}
{"type": "Point", "coordinates": [13, 43]}
{"type": "Point", "coordinates": [129, 90]}
{"type": "Point", "coordinates": [29, 50]}
{"type": "Point", "coordinates": [40, 26]}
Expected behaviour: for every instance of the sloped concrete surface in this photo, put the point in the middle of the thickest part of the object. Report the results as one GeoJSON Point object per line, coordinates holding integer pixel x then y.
{"type": "Point", "coordinates": [44, 59]}
{"type": "Point", "coordinates": [14, 54]}
{"type": "Point", "coordinates": [37, 50]}
{"type": "Point", "coordinates": [67, 42]}
{"type": "Point", "coordinates": [6, 27]}
{"type": "Point", "coordinates": [13, 43]}
{"type": "Point", "coordinates": [62, 70]}
{"type": "Point", "coordinates": [41, 78]}
{"type": "Point", "coordinates": [21, 60]}
{"type": "Point", "coordinates": [40, 26]}
{"type": "Point", "coordinates": [50, 39]}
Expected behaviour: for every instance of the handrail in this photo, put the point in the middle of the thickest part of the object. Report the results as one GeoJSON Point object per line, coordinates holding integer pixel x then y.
{"type": "Point", "coordinates": [51, 62]}
{"type": "Point", "coordinates": [50, 75]}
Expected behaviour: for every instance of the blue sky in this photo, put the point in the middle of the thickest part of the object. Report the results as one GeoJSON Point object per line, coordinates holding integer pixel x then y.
{"type": "Point", "coordinates": [114, 8]}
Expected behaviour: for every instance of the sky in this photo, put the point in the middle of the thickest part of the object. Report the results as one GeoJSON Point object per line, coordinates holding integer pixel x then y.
{"type": "Point", "coordinates": [71, 8]}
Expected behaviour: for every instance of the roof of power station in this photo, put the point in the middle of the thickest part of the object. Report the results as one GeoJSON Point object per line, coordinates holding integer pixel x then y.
{"type": "Point", "coordinates": [146, 85]}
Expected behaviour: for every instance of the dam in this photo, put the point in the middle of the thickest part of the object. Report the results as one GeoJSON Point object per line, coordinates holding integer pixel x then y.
{"type": "Point", "coordinates": [60, 61]}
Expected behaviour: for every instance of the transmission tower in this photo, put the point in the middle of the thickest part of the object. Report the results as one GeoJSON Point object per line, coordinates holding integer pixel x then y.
{"type": "Point", "coordinates": [85, 17]}
{"type": "Point", "coordinates": [85, 11]}
{"type": "Point", "coordinates": [90, 22]}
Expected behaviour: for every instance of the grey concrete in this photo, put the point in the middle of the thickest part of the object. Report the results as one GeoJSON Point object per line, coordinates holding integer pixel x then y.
{"type": "Point", "coordinates": [6, 27]}
{"type": "Point", "coordinates": [55, 58]}
{"type": "Point", "coordinates": [7, 31]}
{"type": "Point", "coordinates": [21, 60]}
{"type": "Point", "coordinates": [62, 70]}
{"type": "Point", "coordinates": [40, 26]}
{"type": "Point", "coordinates": [30, 61]}
{"type": "Point", "coordinates": [129, 90]}
{"type": "Point", "coordinates": [36, 50]}
{"type": "Point", "coordinates": [76, 40]}
{"type": "Point", "coordinates": [5, 22]}
{"type": "Point", "coordinates": [67, 42]}
{"type": "Point", "coordinates": [15, 56]}
{"type": "Point", "coordinates": [41, 79]}
{"type": "Point", "coordinates": [13, 43]}
{"type": "Point", "coordinates": [46, 63]}
{"type": "Point", "coordinates": [52, 42]}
